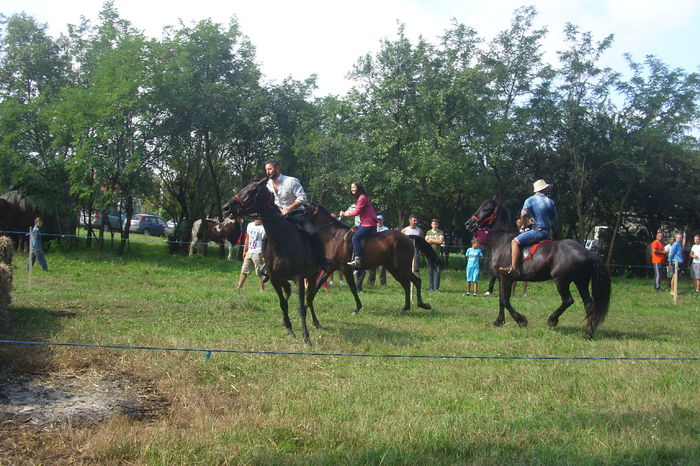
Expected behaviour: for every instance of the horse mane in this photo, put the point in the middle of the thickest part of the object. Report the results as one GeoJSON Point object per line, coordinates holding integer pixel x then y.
{"type": "Point", "coordinates": [320, 208]}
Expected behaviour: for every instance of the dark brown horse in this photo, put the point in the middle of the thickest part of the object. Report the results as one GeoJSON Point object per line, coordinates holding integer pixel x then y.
{"type": "Point", "coordinates": [16, 217]}
{"type": "Point", "coordinates": [287, 255]}
{"type": "Point", "coordinates": [390, 248]}
{"type": "Point", "coordinates": [564, 261]}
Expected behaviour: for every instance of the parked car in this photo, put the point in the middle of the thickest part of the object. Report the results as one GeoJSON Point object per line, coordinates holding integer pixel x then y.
{"type": "Point", "coordinates": [86, 218]}
{"type": "Point", "coordinates": [170, 226]}
{"type": "Point", "coordinates": [114, 222]}
{"type": "Point", "coordinates": [99, 219]}
{"type": "Point", "coordinates": [147, 224]}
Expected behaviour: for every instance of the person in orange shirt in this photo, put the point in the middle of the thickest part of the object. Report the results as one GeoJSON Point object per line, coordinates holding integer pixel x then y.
{"type": "Point", "coordinates": [658, 259]}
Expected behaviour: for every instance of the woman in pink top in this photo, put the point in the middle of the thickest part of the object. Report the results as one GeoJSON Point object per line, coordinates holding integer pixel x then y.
{"type": "Point", "coordinates": [368, 220]}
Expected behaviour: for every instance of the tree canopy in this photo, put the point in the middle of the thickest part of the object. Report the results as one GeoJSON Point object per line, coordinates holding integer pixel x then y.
{"type": "Point", "coordinates": [103, 117]}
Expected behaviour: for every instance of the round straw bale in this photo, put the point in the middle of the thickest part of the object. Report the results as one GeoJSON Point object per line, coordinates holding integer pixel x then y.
{"type": "Point", "coordinates": [5, 286]}
{"type": "Point", "coordinates": [7, 249]}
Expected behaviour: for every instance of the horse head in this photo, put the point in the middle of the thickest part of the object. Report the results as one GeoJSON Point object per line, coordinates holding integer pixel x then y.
{"type": "Point", "coordinates": [485, 216]}
{"type": "Point", "coordinates": [254, 199]}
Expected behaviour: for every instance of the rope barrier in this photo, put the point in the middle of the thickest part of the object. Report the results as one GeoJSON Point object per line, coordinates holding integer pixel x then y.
{"type": "Point", "coordinates": [208, 353]}
{"type": "Point", "coordinates": [143, 240]}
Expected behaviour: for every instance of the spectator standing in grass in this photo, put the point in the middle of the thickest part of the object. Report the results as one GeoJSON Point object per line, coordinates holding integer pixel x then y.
{"type": "Point", "coordinates": [695, 270]}
{"type": "Point", "coordinates": [675, 260]}
{"type": "Point", "coordinates": [436, 238]}
{"type": "Point", "coordinates": [253, 253]}
{"type": "Point", "coordinates": [382, 269]}
{"type": "Point", "coordinates": [37, 245]}
{"type": "Point", "coordinates": [473, 254]}
{"type": "Point", "coordinates": [658, 259]}
{"type": "Point", "coordinates": [667, 248]}
{"type": "Point", "coordinates": [414, 229]}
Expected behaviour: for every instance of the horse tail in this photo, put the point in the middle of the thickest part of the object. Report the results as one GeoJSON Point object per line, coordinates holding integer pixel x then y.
{"type": "Point", "coordinates": [601, 294]}
{"type": "Point", "coordinates": [430, 255]}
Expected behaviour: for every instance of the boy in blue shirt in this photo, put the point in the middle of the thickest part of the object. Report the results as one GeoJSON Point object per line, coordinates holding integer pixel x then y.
{"type": "Point", "coordinates": [473, 255]}
{"type": "Point", "coordinates": [37, 245]}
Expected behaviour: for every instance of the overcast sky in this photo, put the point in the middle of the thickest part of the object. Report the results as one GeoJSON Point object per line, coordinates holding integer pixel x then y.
{"type": "Point", "coordinates": [301, 37]}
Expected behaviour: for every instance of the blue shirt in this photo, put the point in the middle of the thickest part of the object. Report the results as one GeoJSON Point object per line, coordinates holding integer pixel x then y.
{"type": "Point", "coordinates": [541, 209]}
{"type": "Point", "coordinates": [35, 239]}
{"type": "Point", "coordinates": [676, 254]}
{"type": "Point", "coordinates": [473, 256]}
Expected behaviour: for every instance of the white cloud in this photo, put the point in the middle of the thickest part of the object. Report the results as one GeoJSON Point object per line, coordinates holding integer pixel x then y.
{"type": "Point", "coordinates": [326, 37]}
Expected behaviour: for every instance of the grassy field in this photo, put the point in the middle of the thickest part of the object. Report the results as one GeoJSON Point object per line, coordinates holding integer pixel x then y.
{"type": "Point", "coordinates": [291, 409]}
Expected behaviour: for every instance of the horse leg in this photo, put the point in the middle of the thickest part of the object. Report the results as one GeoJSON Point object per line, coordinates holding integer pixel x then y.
{"type": "Point", "coordinates": [350, 279]}
{"type": "Point", "coordinates": [287, 290]}
{"type": "Point", "coordinates": [504, 293]}
{"type": "Point", "coordinates": [566, 301]}
{"type": "Point", "coordinates": [405, 283]}
{"type": "Point", "coordinates": [284, 305]}
{"type": "Point", "coordinates": [310, 295]}
{"type": "Point", "coordinates": [582, 286]}
{"type": "Point", "coordinates": [301, 290]}
{"type": "Point", "coordinates": [419, 298]}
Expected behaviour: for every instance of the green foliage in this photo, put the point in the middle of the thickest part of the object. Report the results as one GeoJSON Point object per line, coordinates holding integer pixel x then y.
{"type": "Point", "coordinates": [104, 118]}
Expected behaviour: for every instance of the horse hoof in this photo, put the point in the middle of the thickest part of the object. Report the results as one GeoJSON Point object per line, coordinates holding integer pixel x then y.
{"type": "Point", "coordinates": [498, 323]}
{"type": "Point", "coordinates": [522, 323]}
{"type": "Point", "coordinates": [307, 344]}
{"type": "Point", "coordinates": [589, 334]}
{"type": "Point", "coordinates": [424, 306]}
{"type": "Point", "coordinates": [318, 326]}
{"type": "Point", "coordinates": [552, 322]}
{"type": "Point", "coordinates": [355, 312]}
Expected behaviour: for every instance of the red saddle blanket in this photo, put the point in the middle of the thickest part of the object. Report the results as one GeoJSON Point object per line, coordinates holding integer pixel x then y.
{"type": "Point", "coordinates": [530, 252]}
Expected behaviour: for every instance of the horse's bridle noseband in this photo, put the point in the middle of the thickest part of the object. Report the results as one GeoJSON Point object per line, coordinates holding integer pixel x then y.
{"type": "Point", "coordinates": [488, 221]}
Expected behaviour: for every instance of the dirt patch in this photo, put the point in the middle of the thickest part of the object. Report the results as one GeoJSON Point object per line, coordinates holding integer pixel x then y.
{"type": "Point", "coordinates": [53, 400]}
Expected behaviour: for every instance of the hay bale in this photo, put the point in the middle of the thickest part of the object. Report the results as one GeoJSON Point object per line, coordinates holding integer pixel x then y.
{"type": "Point", "coordinates": [5, 288]}
{"type": "Point", "coordinates": [7, 249]}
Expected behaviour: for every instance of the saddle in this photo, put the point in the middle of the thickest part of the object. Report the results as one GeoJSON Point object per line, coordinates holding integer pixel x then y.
{"type": "Point", "coordinates": [530, 250]}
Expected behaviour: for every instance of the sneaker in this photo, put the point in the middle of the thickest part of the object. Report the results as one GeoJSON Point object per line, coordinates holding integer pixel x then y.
{"type": "Point", "coordinates": [474, 295]}
{"type": "Point", "coordinates": [355, 264]}
{"type": "Point", "coordinates": [487, 293]}
{"type": "Point", "coordinates": [524, 295]}
{"type": "Point", "coordinates": [330, 282]}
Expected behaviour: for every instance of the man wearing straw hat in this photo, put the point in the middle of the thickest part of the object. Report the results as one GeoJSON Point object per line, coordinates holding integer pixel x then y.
{"type": "Point", "coordinates": [541, 209]}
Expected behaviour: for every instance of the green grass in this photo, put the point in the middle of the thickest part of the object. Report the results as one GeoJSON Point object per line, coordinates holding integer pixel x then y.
{"type": "Point", "coordinates": [250, 408]}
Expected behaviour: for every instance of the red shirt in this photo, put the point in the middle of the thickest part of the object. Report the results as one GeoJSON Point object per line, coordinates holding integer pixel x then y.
{"type": "Point", "coordinates": [363, 208]}
{"type": "Point", "coordinates": [657, 257]}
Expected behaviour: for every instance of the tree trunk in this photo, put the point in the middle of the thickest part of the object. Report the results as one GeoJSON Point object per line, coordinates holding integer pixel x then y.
{"type": "Point", "coordinates": [618, 222]}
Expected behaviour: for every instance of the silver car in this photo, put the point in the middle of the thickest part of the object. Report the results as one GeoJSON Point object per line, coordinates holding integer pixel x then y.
{"type": "Point", "coordinates": [147, 224]}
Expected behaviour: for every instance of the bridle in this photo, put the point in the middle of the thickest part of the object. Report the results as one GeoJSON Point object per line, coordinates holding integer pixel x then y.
{"type": "Point", "coordinates": [256, 207]}
{"type": "Point", "coordinates": [488, 221]}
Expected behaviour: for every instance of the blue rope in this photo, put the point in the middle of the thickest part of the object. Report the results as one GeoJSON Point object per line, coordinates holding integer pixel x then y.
{"type": "Point", "coordinates": [208, 353]}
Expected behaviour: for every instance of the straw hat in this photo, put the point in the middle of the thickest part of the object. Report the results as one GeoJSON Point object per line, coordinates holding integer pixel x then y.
{"type": "Point", "coordinates": [540, 185]}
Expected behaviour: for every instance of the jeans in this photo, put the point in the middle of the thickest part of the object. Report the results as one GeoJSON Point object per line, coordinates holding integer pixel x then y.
{"type": "Point", "coordinates": [357, 239]}
{"type": "Point", "coordinates": [658, 275]}
{"type": "Point", "coordinates": [38, 254]}
{"type": "Point", "coordinates": [433, 279]}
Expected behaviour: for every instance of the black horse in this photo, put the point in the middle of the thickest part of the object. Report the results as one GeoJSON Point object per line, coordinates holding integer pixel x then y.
{"type": "Point", "coordinates": [390, 248]}
{"type": "Point", "coordinates": [287, 255]}
{"type": "Point", "coordinates": [563, 261]}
